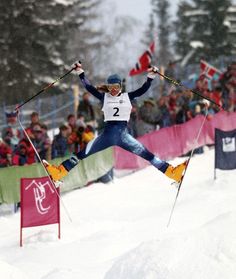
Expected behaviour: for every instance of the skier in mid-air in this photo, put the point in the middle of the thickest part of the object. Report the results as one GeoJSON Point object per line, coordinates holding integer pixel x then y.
{"type": "Point", "coordinates": [116, 108]}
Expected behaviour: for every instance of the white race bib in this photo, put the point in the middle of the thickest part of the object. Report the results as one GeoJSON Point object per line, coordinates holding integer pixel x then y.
{"type": "Point", "coordinates": [116, 107]}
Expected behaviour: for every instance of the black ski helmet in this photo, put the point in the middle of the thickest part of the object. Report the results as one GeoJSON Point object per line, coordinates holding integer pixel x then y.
{"type": "Point", "coordinates": [114, 79]}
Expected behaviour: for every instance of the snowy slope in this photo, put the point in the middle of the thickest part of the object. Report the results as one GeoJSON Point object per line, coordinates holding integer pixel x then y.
{"type": "Point", "coordinates": [119, 230]}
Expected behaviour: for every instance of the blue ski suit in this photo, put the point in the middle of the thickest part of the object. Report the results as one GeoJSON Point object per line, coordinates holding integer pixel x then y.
{"type": "Point", "coordinates": [115, 133]}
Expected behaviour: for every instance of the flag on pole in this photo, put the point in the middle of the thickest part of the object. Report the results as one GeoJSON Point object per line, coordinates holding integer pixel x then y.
{"type": "Point", "coordinates": [144, 61]}
{"type": "Point", "coordinates": [208, 70]}
{"type": "Point", "coordinates": [40, 203]}
{"type": "Point", "coordinates": [225, 149]}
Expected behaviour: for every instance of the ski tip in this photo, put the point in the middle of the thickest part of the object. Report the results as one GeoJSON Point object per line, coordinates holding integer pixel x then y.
{"type": "Point", "coordinates": [186, 162]}
{"type": "Point", "coordinates": [45, 163]}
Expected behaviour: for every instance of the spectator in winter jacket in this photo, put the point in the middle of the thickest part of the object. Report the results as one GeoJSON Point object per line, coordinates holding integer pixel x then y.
{"type": "Point", "coordinates": [11, 134]}
{"type": "Point", "coordinates": [34, 117]}
{"type": "Point", "coordinates": [166, 120]}
{"type": "Point", "coordinates": [72, 132]}
{"type": "Point", "coordinates": [24, 154]}
{"type": "Point", "coordinates": [19, 157]}
{"type": "Point", "coordinates": [82, 136]}
{"type": "Point", "coordinates": [149, 117]}
{"type": "Point", "coordinates": [186, 104]}
{"type": "Point", "coordinates": [41, 142]}
{"type": "Point", "coordinates": [85, 135]}
{"type": "Point", "coordinates": [71, 120]}
{"type": "Point", "coordinates": [47, 140]}
{"type": "Point", "coordinates": [184, 114]}
{"type": "Point", "coordinates": [228, 84]}
{"type": "Point", "coordinates": [60, 146]}
{"type": "Point", "coordinates": [201, 86]}
{"type": "Point", "coordinates": [216, 95]}
{"type": "Point", "coordinates": [229, 97]}
{"type": "Point", "coordinates": [5, 154]}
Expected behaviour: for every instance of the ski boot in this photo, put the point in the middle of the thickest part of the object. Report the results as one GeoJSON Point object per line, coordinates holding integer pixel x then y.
{"type": "Point", "coordinates": [56, 172]}
{"type": "Point", "coordinates": [177, 172]}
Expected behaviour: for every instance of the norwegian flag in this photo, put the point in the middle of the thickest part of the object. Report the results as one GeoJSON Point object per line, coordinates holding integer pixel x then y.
{"type": "Point", "coordinates": [144, 61]}
{"type": "Point", "coordinates": [208, 70]}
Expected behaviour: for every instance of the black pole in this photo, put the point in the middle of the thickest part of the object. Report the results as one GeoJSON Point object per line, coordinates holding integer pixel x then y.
{"type": "Point", "coordinates": [193, 91]}
{"type": "Point", "coordinates": [44, 89]}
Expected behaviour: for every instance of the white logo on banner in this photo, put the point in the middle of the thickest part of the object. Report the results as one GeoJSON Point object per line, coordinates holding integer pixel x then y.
{"type": "Point", "coordinates": [40, 195]}
{"type": "Point", "coordinates": [229, 144]}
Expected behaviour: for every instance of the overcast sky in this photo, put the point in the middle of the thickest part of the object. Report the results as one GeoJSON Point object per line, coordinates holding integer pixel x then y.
{"type": "Point", "coordinates": [140, 8]}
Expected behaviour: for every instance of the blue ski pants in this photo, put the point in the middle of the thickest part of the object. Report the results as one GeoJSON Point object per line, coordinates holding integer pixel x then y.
{"type": "Point", "coordinates": [116, 133]}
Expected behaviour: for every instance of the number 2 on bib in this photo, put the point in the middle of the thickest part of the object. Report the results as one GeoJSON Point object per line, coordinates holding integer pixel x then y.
{"type": "Point", "coordinates": [116, 111]}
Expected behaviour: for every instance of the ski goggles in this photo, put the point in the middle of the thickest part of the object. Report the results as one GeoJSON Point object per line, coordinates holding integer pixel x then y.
{"type": "Point", "coordinates": [113, 86]}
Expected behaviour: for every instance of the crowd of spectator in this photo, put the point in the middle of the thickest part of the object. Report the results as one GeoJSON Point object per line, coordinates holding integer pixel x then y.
{"type": "Point", "coordinates": [173, 106]}
{"type": "Point", "coordinates": [16, 149]}
{"type": "Point", "coordinates": [176, 105]}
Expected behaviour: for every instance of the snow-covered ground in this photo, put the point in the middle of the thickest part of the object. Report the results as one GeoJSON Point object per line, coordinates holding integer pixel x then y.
{"type": "Point", "coordinates": [119, 230]}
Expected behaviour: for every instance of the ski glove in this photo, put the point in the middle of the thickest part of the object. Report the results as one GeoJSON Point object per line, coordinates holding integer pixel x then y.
{"type": "Point", "coordinates": [78, 68]}
{"type": "Point", "coordinates": [152, 72]}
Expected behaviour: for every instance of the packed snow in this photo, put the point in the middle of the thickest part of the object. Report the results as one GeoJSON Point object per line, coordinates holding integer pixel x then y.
{"type": "Point", "coordinates": [119, 230]}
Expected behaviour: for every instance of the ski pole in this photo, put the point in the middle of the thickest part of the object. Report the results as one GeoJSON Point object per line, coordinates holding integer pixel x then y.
{"type": "Point", "coordinates": [175, 82]}
{"type": "Point", "coordinates": [190, 157]}
{"type": "Point", "coordinates": [45, 88]}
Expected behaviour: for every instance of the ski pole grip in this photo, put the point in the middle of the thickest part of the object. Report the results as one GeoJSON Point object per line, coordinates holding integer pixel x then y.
{"type": "Point", "coordinates": [75, 64]}
{"type": "Point", "coordinates": [154, 69]}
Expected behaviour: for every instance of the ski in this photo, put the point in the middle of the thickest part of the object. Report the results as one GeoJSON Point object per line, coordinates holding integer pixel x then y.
{"type": "Point", "coordinates": [182, 178]}
{"type": "Point", "coordinates": [178, 185]}
{"type": "Point", "coordinates": [57, 183]}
